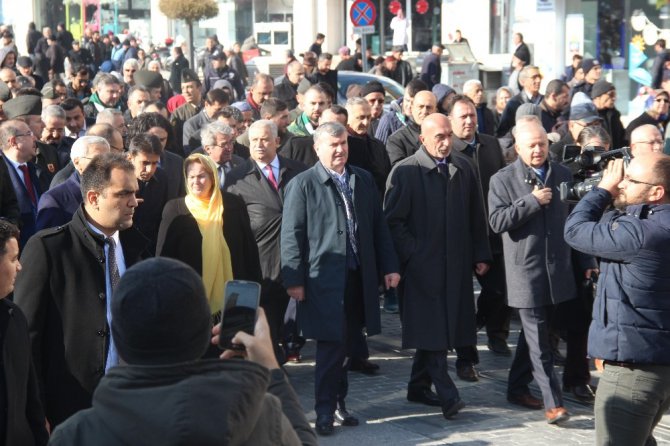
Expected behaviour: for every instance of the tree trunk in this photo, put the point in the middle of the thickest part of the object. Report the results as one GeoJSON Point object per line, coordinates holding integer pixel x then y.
{"type": "Point", "coordinates": [191, 48]}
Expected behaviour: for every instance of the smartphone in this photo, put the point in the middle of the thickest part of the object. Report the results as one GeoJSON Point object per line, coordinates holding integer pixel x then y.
{"type": "Point", "coordinates": [239, 312]}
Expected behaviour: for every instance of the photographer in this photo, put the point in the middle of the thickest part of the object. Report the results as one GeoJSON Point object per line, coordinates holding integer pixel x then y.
{"type": "Point", "coordinates": [631, 316]}
{"type": "Point", "coordinates": [164, 393]}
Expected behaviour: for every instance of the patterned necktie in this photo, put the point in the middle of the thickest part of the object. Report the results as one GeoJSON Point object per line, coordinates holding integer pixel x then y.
{"type": "Point", "coordinates": [28, 182]}
{"type": "Point", "coordinates": [443, 168]}
{"type": "Point", "coordinates": [271, 177]}
{"type": "Point", "coordinates": [347, 196]}
{"type": "Point", "coordinates": [114, 275]}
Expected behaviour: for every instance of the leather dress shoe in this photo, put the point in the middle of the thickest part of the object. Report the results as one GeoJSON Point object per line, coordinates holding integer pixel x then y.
{"type": "Point", "coordinates": [467, 373]}
{"type": "Point", "coordinates": [499, 347]}
{"type": "Point", "coordinates": [584, 393]}
{"type": "Point", "coordinates": [556, 415]}
{"type": "Point", "coordinates": [452, 409]}
{"type": "Point", "coordinates": [345, 418]}
{"type": "Point", "coordinates": [526, 400]}
{"type": "Point", "coordinates": [423, 396]}
{"type": "Point", "coordinates": [324, 425]}
{"type": "Point", "coordinates": [364, 366]}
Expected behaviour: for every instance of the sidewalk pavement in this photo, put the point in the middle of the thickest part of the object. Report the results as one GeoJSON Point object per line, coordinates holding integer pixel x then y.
{"type": "Point", "coordinates": [387, 418]}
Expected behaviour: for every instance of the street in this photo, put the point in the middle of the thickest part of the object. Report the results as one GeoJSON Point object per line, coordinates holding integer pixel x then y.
{"type": "Point", "coordinates": [387, 418]}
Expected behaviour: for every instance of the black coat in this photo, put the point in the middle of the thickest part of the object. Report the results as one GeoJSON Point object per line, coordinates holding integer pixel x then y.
{"type": "Point", "coordinates": [63, 295]}
{"type": "Point", "coordinates": [508, 117]}
{"type": "Point", "coordinates": [9, 205]}
{"type": "Point", "coordinates": [301, 149]}
{"type": "Point", "coordinates": [147, 218]}
{"type": "Point", "coordinates": [27, 209]}
{"type": "Point", "coordinates": [369, 153]}
{"type": "Point", "coordinates": [612, 123]}
{"type": "Point", "coordinates": [178, 65]}
{"type": "Point", "coordinates": [439, 231]}
{"type": "Point", "coordinates": [287, 92]}
{"type": "Point", "coordinates": [404, 143]}
{"type": "Point", "coordinates": [47, 163]}
{"type": "Point", "coordinates": [179, 237]}
{"type": "Point", "coordinates": [330, 78]}
{"type": "Point", "coordinates": [25, 417]}
{"type": "Point", "coordinates": [488, 159]}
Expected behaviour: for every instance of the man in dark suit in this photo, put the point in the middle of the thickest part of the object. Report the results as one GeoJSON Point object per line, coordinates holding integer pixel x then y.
{"type": "Point", "coordinates": [435, 211]}
{"type": "Point", "coordinates": [9, 205]}
{"type": "Point", "coordinates": [405, 141]}
{"type": "Point", "coordinates": [144, 152]}
{"type": "Point", "coordinates": [525, 207]}
{"type": "Point", "coordinates": [66, 292]}
{"type": "Point", "coordinates": [261, 182]}
{"type": "Point", "coordinates": [521, 50]}
{"type": "Point", "coordinates": [485, 152]}
{"type": "Point", "coordinates": [333, 228]}
{"type": "Point", "coordinates": [57, 205]}
{"type": "Point", "coordinates": [29, 109]}
{"type": "Point", "coordinates": [22, 418]}
{"type": "Point", "coordinates": [217, 143]}
{"type": "Point", "coordinates": [530, 79]}
{"type": "Point", "coordinates": [18, 148]}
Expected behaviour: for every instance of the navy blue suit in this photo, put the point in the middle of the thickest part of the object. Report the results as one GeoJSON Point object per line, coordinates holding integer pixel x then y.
{"type": "Point", "coordinates": [57, 206]}
{"type": "Point", "coordinates": [26, 207]}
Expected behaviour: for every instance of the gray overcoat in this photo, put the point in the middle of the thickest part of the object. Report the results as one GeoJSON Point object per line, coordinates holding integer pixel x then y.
{"type": "Point", "coordinates": [538, 264]}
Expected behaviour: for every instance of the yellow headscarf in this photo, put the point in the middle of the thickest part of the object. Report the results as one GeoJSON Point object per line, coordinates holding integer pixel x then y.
{"type": "Point", "coordinates": [216, 265]}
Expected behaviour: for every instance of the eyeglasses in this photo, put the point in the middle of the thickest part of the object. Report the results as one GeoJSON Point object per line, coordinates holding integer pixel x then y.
{"type": "Point", "coordinates": [630, 180]}
{"type": "Point", "coordinates": [665, 101]}
{"type": "Point", "coordinates": [28, 133]}
{"type": "Point", "coordinates": [653, 142]}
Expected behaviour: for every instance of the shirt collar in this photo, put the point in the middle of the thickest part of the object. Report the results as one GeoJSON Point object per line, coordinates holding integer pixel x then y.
{"type": "Point", "coordinates": [115, 236]}
{"type": "Point", "coordinates": [274, 163]}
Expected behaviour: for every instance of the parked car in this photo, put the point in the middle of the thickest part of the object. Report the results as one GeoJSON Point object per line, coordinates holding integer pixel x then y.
{"type": "Point", "coordinates": [346, 78]}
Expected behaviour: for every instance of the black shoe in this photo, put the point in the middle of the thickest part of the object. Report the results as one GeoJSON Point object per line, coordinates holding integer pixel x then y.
{"type": "Point", "coordinates": [423, 396]}
{"type": "Point", "coordinates": [584, 393]}
{"type": "Point", "coordinates": [324, 425]}
{"type": "Point", "coordinates": [467, 373]}
{"type": "Point", "coordinates": [345, 418]}
{"type": "Point", "coordinates": [499, 347]}
{"type": "Point", "coordinates": [364, 366]}
{"type": "Point", "coordinates": [452, 409]}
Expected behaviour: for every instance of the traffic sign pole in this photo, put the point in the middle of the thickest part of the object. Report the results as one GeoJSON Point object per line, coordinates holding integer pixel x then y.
{"type": "Point", "coordinates": [363, 15]}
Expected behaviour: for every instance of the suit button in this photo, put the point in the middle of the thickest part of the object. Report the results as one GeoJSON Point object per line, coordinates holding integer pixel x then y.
{"type": "Point", "coordinates": [339, 232]}
{"type": "Point", "coordinates": [101, 296]}
{"type": "Point", "coordinates": [101, 333]}
{"type": "Point", "coordinates": [101, 259]}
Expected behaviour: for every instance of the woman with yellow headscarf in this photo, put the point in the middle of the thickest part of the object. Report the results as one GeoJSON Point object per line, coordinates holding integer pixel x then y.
{"type": "Point", "coordinates": [210, 231]}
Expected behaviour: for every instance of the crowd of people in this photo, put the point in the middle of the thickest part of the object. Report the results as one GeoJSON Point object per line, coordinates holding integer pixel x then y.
{"type": "Point", "coordinates": [129, 200]}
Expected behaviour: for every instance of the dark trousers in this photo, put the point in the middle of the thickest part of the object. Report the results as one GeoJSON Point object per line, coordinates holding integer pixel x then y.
{"type": "Point", "coordinates": [333, 357]}
{"type": "Point", "coordinates": [431, 367]}
{"type": "Point", "coordinates": [274, 301]}
{"type": "Point", "coordinates": [534, 358]}
{"type": "Point", "coordinates": [573, 319]}
{"type": "Point", "coordinates": [492, 310]}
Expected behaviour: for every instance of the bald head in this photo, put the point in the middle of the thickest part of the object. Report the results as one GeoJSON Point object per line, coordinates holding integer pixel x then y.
{"type": "Point", "coordinates": [646, 180]}
{"type": "Point", "coordinates": [646, 139]}
{"type": "Point", "coordinates": [436, 135]}
{"type": "Point", "coordinates": [423, 105]}
{"type": "Point", "coordinates": [108, 132]}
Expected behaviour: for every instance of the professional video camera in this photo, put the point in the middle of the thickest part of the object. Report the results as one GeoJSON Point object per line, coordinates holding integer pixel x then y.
{"type": "Point", "coordinates": [587, 168]}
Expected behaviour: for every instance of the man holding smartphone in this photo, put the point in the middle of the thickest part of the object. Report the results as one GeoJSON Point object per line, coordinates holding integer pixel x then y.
{"type": "Point", "coordinates": [333, 238]}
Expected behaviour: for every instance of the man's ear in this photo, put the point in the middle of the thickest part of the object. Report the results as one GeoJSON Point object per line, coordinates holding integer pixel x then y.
{"type": "Point", "coordinates": [91, 199]}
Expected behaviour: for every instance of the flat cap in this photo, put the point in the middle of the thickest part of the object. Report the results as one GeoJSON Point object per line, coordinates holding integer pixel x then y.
{"type": "Point", "coordinates": [149, 79]}
{"type": "Point", "coordinates": [23, 106]}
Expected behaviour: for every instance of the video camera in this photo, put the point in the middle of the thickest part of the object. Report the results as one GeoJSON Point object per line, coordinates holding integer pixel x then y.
{"type": "Point", "coordinates": [587, 168]}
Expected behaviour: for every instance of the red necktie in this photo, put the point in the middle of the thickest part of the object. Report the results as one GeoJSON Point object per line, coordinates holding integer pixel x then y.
{"type": "Point", "coordinates": [28, 182]}
{"type": "Point", "coordinates": [271, 177]}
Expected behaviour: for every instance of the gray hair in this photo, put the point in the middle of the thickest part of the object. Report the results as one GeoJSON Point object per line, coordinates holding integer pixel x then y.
{"type": "Point", "coordinates": [105, 79]}
{"type": "Point", "coordinates": [470, 84]}
{"type": "Point", "coordinates": [131, 63]}
{"type": "Point", "coordinates": [81, 145]}
{"type": "Point", "coordinates": [52, 111]}
{"type": "Point", "coordinates": [355, 102]}
{"type": "Point", "coordinates": [209, 132]}
{"type": "Point", "coordinates": [504, 88]}
{"type": "Point", "coordinates": [328, 129]}
{"type": "Point", "coordinates": [153, 62]}
{"type": "Point", "coordinates": [265, 124]}
{"type": "Point", "coordinates": [524, 121]}
{"type": "Point", "coordinates": [106, 116]}
{"type": "Point", "coordinates": [523, 74]}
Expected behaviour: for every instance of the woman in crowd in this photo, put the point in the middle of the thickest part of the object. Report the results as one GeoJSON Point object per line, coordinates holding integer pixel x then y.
{"type": "Point", "coordinates": [209, 231]}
